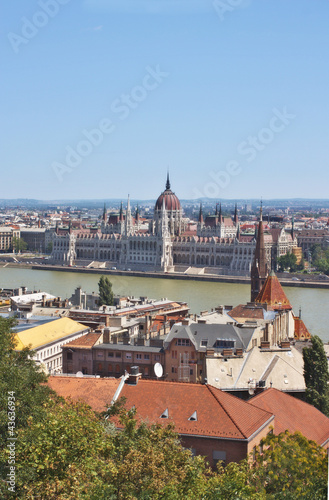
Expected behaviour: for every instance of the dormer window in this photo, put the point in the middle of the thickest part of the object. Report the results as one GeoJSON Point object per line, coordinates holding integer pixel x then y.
{"type": "Point", "coordinates": [183, 342]}
{"type": "Point", "coordinates": [165, 414]}
{"type": "Point", "coordinates": [204, 342]}
{"type": "Point", "coordinates": [193, 417]}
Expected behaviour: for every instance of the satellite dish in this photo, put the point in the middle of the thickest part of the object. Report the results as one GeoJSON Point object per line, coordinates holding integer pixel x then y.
{"type": "Point", "coordinates": [79, 374]}
{"type": "Point", "coordinates": [158, 370]}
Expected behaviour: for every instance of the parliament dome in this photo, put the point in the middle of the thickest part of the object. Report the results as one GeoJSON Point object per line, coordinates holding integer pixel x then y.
{"type": "Point", "coordinates": [169, 198]}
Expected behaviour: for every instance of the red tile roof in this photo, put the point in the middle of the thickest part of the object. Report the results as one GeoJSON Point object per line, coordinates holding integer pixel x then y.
{"type": "Point", "coordinates": [86, 341]}
{"type": "Point", "coordinates": [219, 414]}
{"type": "Point", "coordinates": [245, 311]}
{"type": "Point", "coordinates": [272, 294]}
{"type": "Point", "coordinates": [301, 332]}
{"type": "Point", "coordinates": [293, 415]}
{"type": "Point", "coordinates": [96, 392]}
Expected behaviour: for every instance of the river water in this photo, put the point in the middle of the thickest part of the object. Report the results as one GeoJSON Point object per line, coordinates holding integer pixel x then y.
{"type": "Point", "coordinates": [200, 295]}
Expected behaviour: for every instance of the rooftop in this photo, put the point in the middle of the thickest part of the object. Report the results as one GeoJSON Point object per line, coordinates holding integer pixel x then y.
{"type": "Point", "coordinates": [47, 333]}
{"type": "Point", "coordinates": [273, 295]}
{"type": "Point", "coordinates": [294, 415]}
{"type": "Point", "coordinates": [217, 414]}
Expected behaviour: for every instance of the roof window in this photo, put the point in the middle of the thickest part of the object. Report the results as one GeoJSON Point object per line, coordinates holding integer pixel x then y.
{"type": "Point", "coordinates": [194, 416]}
{"type": "Point", "coordinates": [165, 414]}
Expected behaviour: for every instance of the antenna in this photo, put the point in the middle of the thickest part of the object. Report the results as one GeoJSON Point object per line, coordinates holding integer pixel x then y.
{"type": "Point", "coordinates": [158, 370]}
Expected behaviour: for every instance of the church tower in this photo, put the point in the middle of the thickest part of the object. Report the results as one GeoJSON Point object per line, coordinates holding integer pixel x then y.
{"type": "Point", "coordinates": [259, 269]}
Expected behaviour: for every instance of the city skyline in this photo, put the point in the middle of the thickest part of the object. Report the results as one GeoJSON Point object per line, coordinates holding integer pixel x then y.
{"type": "Point", "coordinates": [102, 96]}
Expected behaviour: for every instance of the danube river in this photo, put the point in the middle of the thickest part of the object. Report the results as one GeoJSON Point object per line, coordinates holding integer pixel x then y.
{"type": "Point", "coordinates": [200, 295]}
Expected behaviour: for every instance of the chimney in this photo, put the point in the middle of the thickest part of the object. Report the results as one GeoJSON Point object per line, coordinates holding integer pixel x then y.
{"type": "Point", "coordinates": [134, 375]}
{"type": "Point", "coordinates": [106, 336]}
{"type": "Point", "coordinates": [107, 320]}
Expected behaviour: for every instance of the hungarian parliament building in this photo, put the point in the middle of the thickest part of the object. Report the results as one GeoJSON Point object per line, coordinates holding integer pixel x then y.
{"type": "Point", "coordinates": [168, 242]}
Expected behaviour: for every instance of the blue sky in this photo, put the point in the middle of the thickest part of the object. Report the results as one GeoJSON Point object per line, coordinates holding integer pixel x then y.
{"type": "Point", "coordinates": [100, 97]}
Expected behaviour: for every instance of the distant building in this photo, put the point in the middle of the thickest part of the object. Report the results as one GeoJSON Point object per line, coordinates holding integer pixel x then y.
{"type": "Point", "coordinates": [7, 234]}
{"type": "Point", "coordinates": [168, 241]}
{"type": "Point", "coordinates": [37, 239]}
{"type": "Point", "coordinates": [307, 238]}
{"type": "Point", "coordinates": [47, 340]}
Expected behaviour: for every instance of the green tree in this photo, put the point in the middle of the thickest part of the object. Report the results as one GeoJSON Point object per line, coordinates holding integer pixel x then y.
{"type": "Point", "coordinates": [287, 261]}
{"type": "Point", "coordinates": [235, 481]}
{"type": "Point", "coordinates": [49, 248]}
{"type": "Point", "coordinates": [22, 391]}
{"type": "Point", "coordinates": [105, 292]}
{"type": "Point", "coordinates": [290, 466]}
{"type": "Point", "coordinates": [19, 245]}
{"type": "Point", "coordinates": [67, 455]}
{"type": "Point", "coordinates": [316, 375]}
{"type": "Point", "coordinates": [151, 462]}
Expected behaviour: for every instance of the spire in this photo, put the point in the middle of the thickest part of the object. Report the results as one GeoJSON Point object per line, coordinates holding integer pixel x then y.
{"type": "Point", "coordinates": [238, 233]}
{"type": "Point", "coordinates": [220, 214]}
{"type": "Point", "coordinates": [259, 269]}
{"type": "Point", "coordinates": [200, 214]}
{"type": "Point", "coordinates": [128, 203]}
{"type": "Point", "coordinates": [137, 213]}
{"type": "Point", "coordinates": [261, 211]}
{"type": "Point", "coordinates": [104, 213]}
{"type": "Point", "coordinates": [168, 181]}
{"type": "Point", "coordinates": [121, 213]}
{"type": "Point", "coordinates": [236, 217]}
{"type": "Point", "coordinates": [216, 211]}
{"type": "Point", "coordinates": [292, 228]}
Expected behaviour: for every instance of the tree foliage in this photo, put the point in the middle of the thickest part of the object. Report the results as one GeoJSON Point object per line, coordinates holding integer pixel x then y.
{"type": "Point", "coordinates": [65, 451]}
{"type": "Point", "coordinates": [291, 467]}
{"type": "Point", "coordinates": [320, 258]}
{"type": "Point", "coordinates": [287, 261]}
{"type": "Point", "coordinates": [21, 379]}
{"type": "Point", "coordinates": [19, 245]}
{"type": "Point", "coordinates": [105, 292]}
{"type": "Point", "coordinates": [316, 375]}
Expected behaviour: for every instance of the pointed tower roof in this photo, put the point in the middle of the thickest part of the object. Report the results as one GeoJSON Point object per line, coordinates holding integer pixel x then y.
{"type": "Point", "coordinates": [200, 214]}
{"type": "Point", "coordinates": [220, 214]}
{"type": "Point", "coordinates": [168, 181]}
{"type": "Point", "coordinates": [273, 295]}
{"type": "Point", "coordinates": [292, 228]}
{"type": "Point", "coordinates": [259, 268]}
{"type": "Point", "coordinates": [301, 332]}
{"type": "Point", "coordinates": [104, 213]}
{"type": "Point", "coordinates": [121, 213]}
{"type": "Point", "coordinates": [236, 217]}
{"type": "Point", "coordinates": [137, 213]}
